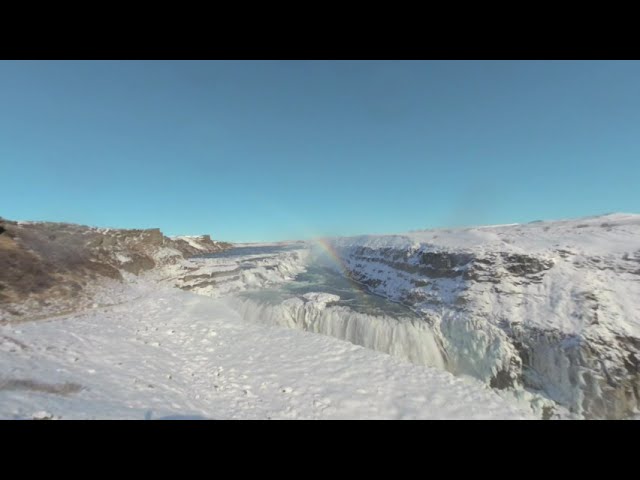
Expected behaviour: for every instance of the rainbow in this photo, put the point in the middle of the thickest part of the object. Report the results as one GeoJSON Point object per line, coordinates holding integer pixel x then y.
{"type": "Point", "coordinates": [333, 254]}
{"type": "Point", "coordinates": [335, 258]}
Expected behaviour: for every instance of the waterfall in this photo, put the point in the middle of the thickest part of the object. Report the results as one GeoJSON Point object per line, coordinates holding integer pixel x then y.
{"type": "Point", "coordinates": [411, 339]}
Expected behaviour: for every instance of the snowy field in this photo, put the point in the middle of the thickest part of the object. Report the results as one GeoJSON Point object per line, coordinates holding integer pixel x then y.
{"type": "Point", "coordinates": [169, 354]}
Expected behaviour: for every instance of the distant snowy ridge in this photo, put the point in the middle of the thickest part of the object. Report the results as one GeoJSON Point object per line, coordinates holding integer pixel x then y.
{"type": "Point", "coordinates": [551, 306]}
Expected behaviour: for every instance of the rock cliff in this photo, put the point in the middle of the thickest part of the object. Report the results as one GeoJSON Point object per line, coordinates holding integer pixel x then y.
{"type": "Point", "coordinates": [44, 264]}
{"type": "Point", "coordinates": [552, 307]}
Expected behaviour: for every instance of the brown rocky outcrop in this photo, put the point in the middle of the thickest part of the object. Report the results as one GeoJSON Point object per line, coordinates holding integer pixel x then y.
{"type": "Point", "coordinates": [46, 261]}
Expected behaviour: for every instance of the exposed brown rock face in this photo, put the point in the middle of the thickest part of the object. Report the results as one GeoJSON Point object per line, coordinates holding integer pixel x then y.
{"type": "Point", "coordinates": [47, 261]}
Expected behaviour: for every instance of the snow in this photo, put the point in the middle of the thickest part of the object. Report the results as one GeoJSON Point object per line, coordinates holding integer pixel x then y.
{"type": "Point", "coordinates": [191, 240]}
{"type": "Point", "coordinates": [146, 349]}
{"type": "Point", "coordinates": [601, 242]}
{"type": "Point", "coordinates": [165, 353]}
{"type": "Point", "coordinates": [246, 272]}
{"type": "Point", "coordinates": [122, 258]}
{"type": "Point", "coordinates": [405, 338]}
{"type": "Point", "coordinates": [590, 294]}
{"type": "Point", "coordinates": [320, 298]}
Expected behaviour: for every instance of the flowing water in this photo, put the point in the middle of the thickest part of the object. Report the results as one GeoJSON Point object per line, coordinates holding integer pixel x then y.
{"type": "Point", "coordinates": [323, 300]}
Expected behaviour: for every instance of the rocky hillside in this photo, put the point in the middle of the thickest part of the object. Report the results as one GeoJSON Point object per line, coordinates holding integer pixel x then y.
{"type": "Point", "coordinates": [44, 264]}
{"type": "Point", "coordinates": [549, 306]}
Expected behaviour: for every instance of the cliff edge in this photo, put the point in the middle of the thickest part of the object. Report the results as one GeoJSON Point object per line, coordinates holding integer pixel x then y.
{"type": "Point", "coordinates": [53, 266]}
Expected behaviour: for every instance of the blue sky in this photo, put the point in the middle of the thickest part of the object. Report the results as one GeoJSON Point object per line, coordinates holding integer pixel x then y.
{"type": "Point", "coordinates": [260, 151]}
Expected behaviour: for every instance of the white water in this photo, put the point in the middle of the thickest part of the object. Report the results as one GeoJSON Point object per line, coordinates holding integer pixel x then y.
{"type": "Point", "coordinates": [320, 299]}
{"type": "Point", "coordinates": [407, 338]}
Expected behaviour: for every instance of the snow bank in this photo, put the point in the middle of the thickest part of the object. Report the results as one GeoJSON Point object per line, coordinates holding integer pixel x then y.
{"type": "Point", "coordinates": [171, 354]}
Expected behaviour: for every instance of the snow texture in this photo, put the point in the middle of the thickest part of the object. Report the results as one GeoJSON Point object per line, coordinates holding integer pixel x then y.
{"type": "Point", "coordinates": [513, 321]}
{"type": "Point", "coordinates": [554, 306]}
{"type": "Point", "coordinates": [169, 354]}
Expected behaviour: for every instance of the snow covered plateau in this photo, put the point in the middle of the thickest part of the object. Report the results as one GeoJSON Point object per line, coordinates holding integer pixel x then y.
{"type": "Point", "coordinates": [538, 320]}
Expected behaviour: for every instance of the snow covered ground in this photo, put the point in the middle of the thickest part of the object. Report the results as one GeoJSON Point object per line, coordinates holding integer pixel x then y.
{"type": "Point", "coordinates": [545, 312]}
{"type": "Point", "coordinates": [168, 354]}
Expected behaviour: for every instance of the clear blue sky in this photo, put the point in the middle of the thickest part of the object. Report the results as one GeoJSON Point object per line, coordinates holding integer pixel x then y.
{"type": "Point", "coordinates": [259, 151]}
